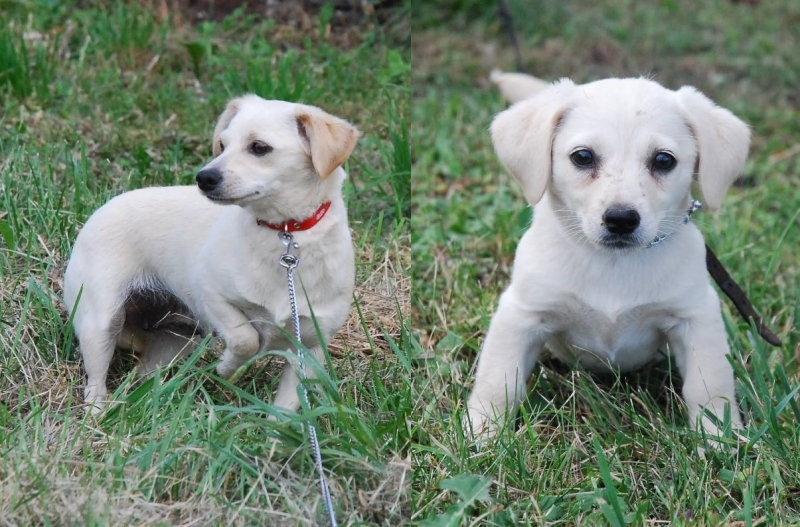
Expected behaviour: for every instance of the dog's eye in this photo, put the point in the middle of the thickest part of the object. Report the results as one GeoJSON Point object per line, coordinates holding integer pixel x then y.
{"type": "Point", "coordinates": [221, 147]}
{"type": "Point", "coordinates": [663, 162]}
{"type": "Point", "coordinates": [260, 148]}
{"type": "Point", "coordinates": [582, 158]}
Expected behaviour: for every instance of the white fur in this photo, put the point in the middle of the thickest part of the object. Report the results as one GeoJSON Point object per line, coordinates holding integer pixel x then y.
{"type": "Point", "coordinates": [213, 257]}
{"type": "Point", "coordinates": [590, 304]}
{"type": "Point", "coordinates": [516, 86]}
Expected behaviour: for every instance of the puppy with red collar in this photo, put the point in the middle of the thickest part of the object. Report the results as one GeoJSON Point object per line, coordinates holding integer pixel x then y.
{"type": "Point", "coordinates": [154, 268]}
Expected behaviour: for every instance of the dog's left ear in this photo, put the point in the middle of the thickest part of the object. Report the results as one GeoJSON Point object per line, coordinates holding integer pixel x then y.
{"type": "Point", "coordinates": [723, 141]}
{"type": "Point", "coordinates": [222, 123]}
{"type": "Point", "coordinates": [330, 138]}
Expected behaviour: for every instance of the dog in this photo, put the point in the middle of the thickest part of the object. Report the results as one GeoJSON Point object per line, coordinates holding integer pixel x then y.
{"type": "Point", "coordinates": [611, 273]}
{"type": "Point", "coordinates": [154, 269]}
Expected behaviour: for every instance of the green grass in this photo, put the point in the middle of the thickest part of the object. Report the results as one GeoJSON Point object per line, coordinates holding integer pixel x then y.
{"type": "Point", "coordinates": [97, 99]}
{"type": "Point", "coordinates": [588, 450]}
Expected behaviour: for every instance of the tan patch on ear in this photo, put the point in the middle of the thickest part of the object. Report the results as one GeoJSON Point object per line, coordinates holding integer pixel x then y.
{"type": "Point", "coordinates": [222, 123]}
{"type": "Point", "coordinates": [331, 139]}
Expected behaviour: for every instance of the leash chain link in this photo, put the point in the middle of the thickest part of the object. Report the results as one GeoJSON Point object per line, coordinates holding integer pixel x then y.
{"type": "Point", "coordinates": [290, 261]}
{"type": "Point", "coordinates": [693, 207]}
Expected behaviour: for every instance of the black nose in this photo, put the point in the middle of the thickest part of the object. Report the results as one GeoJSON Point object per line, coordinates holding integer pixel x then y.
{"type": "Point", "coordinates": [621, 221]}
{"type": "Point", "coordinates": [208, 179]}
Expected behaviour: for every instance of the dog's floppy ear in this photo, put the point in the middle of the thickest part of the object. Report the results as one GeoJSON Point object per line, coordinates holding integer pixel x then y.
{"type": "Point", "coordinates": [331, 139]}
{"type": "Point", "coordinates": [523, 137]}
{"type": "Point", "coordinates": [222, 123]}
{"type": "Point", "coordinates": [723, 141]}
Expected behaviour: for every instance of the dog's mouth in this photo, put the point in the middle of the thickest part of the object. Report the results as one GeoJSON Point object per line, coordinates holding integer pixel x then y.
{"type": "Point", "coordinates": [231, 200]}
{"type": "Point", "coordinates": [618, 242]}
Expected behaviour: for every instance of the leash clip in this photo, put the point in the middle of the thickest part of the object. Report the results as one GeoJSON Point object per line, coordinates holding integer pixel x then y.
{"type": "Point", "coordinates": [288, 260]}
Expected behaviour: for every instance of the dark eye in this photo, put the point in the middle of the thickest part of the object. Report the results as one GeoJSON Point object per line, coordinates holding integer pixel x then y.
{"type": "Point", "coordinates": [260, 148]}
{"type": "Point", "coordinates": [221, 147]}
{"type": "Point", "coordinates": [663, 162]}
{"type": "Point", "coordinates": [582, 158]}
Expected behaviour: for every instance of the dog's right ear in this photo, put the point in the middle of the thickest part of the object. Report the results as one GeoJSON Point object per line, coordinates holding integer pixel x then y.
{"type": "Point", "coordinates": [222, 123]}
{"type": "Point", "coordinates": [523, 137]}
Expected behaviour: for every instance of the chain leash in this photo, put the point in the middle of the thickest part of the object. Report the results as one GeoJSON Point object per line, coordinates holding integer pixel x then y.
{"type": "Point", "coordinates": [289, 261]}
{"type": "Point", "coordinates": [694, 206]}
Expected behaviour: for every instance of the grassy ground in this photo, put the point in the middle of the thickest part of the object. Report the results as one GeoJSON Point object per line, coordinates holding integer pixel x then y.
{"type": "Point", "coordinates": [97, 99]}
{"type": "Point", "coordinates": [592, 451]}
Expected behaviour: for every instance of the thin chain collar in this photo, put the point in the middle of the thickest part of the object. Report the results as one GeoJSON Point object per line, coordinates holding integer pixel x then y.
{"type": "Point", "coordinates": [693, 207]}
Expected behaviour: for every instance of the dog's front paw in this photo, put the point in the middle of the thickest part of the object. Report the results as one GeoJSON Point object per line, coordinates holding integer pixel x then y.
{"type": "Point", "coordinates": [226, 369]}
{"type": "Point", "coordinates": [229, 364]}
{"type": "Point", "coordinates": [95, 398]}
{"type": "Point", "coordinates": [719, 431]}
{"type": "Point", "coordinates": [479, 427]}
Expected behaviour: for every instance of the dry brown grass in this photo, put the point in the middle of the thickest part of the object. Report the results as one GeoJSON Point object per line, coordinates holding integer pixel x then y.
{"type": "Point", "coordinates": [295, 500]}
{"type": "Point", "coordinates": [381, 292]}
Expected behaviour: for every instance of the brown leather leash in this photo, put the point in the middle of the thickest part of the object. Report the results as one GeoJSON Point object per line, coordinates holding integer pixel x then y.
{"type": "Point", "coordinates": [737, 296]}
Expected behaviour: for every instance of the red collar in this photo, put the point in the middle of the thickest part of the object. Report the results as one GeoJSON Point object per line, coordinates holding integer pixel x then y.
{"type": "Point", "coordinates": [295, 225]}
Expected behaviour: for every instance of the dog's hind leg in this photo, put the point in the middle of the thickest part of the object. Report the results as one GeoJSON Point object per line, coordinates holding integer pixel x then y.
{"type": "Point", "coordinates": [158, 327]}
{"type": "Point", "coordinates": [160, 347]}
{"type": "Point", "coordinates": [98, 336]}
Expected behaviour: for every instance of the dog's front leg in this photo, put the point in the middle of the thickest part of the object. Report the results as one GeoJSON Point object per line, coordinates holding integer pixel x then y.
{"type": "Point", "coordinates": [241, 338]}
{"type": "Point", "coordinates": [513, 344]}
{"type": "Point", "coordinates": [700, 348]}
{"type": "Point", "coordinates": [286, 395]}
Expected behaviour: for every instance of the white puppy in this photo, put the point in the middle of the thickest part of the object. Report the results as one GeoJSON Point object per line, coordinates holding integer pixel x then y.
{"type": "Point", "coordinates": [156, 266]}
{"type": "Point", "coordinates": [611, 272]}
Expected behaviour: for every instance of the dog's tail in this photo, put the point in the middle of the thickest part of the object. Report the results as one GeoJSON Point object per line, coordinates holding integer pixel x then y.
{"type": "Point", "coordinates": [516, 87]}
